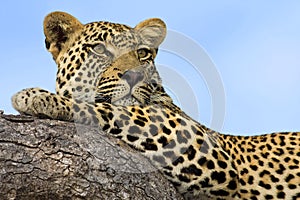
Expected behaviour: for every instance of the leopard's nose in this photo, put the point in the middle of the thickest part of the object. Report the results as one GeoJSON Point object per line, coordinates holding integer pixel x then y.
{"type": "Point", "coordinates": [132, 77]}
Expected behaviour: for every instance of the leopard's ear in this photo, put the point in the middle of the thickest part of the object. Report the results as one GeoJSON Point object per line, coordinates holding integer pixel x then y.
{"type": "Point", "coordinates": [152, 31]}
{"type": "Point", "coordinates": [59, 29]}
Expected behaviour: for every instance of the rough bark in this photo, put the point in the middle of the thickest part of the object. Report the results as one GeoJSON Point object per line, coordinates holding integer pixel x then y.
{"type": "Point", "coordinates": [50, 159]}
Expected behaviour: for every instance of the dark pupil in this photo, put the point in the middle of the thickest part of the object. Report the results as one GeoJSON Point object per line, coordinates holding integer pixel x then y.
{"type": "Point", "coordinates": [142, 53]}
{"type": "Point", "coordinates": [100, 48]}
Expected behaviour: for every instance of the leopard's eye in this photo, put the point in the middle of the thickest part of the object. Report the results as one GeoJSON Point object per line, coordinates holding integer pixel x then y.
{"type": "Point", "coordinates": [143, 53]}
{"type": "Point", "coordinates": [99, 49]}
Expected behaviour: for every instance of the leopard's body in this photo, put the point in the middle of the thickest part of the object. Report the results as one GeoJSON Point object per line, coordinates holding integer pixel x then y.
{"type": "Point", "coordinates": [106, 76]}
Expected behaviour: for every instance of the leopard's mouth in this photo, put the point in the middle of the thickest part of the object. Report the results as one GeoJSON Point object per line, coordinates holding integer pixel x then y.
{"type": "Point", "coordinates": [128, 99]}
{"type": "Point", "coordinates": [102, 99]}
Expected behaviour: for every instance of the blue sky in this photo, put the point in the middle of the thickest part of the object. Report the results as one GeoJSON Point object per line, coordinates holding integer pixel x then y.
{"type": "Point", "coordinates": [255, 47]}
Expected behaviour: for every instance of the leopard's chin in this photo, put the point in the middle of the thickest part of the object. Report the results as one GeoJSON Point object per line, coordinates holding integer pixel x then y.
{"type": "Point", "coordinates": [126, 101]}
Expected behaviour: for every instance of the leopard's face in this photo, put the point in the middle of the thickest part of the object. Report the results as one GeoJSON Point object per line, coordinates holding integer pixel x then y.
{"type": "Point", "coordinates": [129, 76]}
{"type": "Point", "coordinates": [104, 61]}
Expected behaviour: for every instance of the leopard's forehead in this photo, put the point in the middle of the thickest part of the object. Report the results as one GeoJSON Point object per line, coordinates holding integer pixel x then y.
{"type": "Point", "coordinates": [108, 26]}
{"type": "Point", "coordinates": [119, 35]}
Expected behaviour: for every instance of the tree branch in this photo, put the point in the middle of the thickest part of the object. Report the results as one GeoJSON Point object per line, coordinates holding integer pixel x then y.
{"type": "Point", "coordinates": [50, 159]}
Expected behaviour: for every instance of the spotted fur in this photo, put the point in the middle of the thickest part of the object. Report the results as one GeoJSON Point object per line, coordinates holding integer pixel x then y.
{"type": "Point", "coordinates": [106, 76]}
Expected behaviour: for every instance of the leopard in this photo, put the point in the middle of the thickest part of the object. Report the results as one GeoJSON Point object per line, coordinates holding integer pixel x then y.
{"type": "Point", "coordinates": [106, 77]}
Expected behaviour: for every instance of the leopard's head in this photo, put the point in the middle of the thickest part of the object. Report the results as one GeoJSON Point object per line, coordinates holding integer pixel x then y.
{"type": "Point", "coordinates": [104, 61]}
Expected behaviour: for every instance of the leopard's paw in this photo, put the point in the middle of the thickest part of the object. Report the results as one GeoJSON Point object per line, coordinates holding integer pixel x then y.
{"type": "Point", "coordinates": [29, 102]}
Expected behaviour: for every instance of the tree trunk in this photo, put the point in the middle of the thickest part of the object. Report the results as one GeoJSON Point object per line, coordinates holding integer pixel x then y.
{"type": "Point", "coordinates": [50, 159]}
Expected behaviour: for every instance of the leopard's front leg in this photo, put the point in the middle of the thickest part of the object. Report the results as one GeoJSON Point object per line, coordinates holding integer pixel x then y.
{"type": "Point", "coordinates": [41, 103]}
